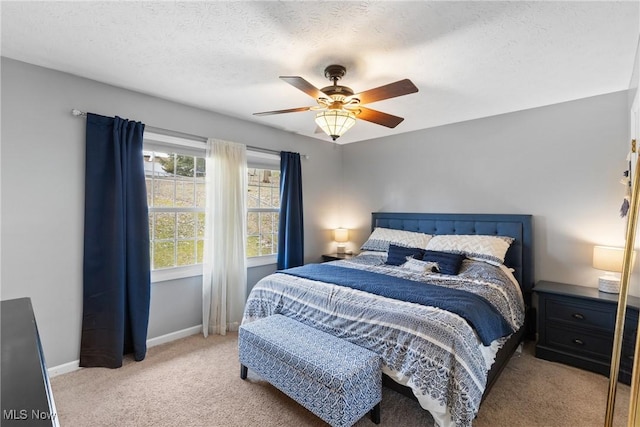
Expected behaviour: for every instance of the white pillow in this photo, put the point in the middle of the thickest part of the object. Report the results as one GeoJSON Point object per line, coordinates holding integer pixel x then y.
{"type": "Point", "coordinates": [491, 249]}
{"type": "Point", "coordinates": [380, 239]}
{"type": "Point", "coordinates": [421, 267]}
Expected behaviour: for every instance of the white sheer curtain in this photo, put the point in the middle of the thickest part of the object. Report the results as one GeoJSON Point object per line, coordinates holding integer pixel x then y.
{"type": "Point", "coordinates": [224, 280]}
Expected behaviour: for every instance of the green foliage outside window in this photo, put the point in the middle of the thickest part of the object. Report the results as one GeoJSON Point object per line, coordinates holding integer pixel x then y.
{"type": "Point", "coordinates": [176, 199]}
{"type": "Point", "coordinates": [263, 203]}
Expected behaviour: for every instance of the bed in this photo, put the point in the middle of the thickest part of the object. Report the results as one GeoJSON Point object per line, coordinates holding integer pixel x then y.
{"type": "Point", "coordinates": [444, 336]}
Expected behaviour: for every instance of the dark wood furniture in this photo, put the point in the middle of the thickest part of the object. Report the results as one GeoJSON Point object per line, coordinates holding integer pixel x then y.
{"type": "Point", "coordinates": [336, 257]}
{"type": "Point", "coordinates": [576, 325]}
{"type": "Point", "coordinates": [27, 399]}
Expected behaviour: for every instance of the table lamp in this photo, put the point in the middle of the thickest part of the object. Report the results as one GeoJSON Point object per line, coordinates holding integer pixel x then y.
{"type": "Point", "coordinates": [609, 259]}
{"type": "Point", "coordinates": [341, 235]}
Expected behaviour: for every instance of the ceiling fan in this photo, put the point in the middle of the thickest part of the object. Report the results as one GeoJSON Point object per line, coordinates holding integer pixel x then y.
{"type": "Point", "coordinates": [339, 106]}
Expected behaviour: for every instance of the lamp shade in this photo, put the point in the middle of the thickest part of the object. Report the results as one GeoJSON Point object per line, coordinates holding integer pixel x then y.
{"type": "Point", "coordinates": [335, 122]}
{"type": "Point", "coordinates": [341, 235]}
{"type": "Point", "coordinates": [608, 258]}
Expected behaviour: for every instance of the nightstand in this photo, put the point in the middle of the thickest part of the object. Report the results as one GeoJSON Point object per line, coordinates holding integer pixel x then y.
{"type": "Point", "coordinates": [336, 257]}
{"type": "Point", "coordinates": [576, 325]}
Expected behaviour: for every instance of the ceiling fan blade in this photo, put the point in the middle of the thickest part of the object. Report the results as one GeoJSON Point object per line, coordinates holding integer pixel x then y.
{"type": "Point", "coordinates": [378, 117]}
{"type": "Point", "coordinates": [399, 88]}
{"type": "Point", "coordinates": [290, 110]}
{"type": "Point", "coordinates": [305, 86]}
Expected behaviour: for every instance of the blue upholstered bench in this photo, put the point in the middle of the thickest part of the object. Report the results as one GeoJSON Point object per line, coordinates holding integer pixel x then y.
{"type": "Point", "coordinates": [336, 380]}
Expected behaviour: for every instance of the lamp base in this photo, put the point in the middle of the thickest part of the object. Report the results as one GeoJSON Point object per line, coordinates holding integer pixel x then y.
{"type": "Point", "coordinates": [609, 285]}
{"type": "Point", "coordinates": [341, 249]}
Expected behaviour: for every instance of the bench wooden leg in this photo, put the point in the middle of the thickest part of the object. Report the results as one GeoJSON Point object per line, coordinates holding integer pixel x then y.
{"type": "Point", "coordinates": [375, 414]}
{"type": "Point", "coordinates": [243, 372]}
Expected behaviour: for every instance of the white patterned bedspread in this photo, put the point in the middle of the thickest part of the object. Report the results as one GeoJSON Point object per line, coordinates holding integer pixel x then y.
{"type": "Point", "coordinates": [435, 352]}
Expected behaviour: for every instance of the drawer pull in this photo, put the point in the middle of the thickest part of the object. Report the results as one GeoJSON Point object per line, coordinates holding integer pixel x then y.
{"type": "Point", "coordinates": [577, 316]}
{"type": "Point", "coordinates": [578, 341]}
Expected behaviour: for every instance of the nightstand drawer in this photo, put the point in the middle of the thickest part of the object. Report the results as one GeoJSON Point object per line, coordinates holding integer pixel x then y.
{"type": "Point", "coordinates": [631, 327]}
{"type": "Point", "coordinates": [626, 358]}
{"type": "Point", "coordinates": [629, 341]}
{"type": "Point", "coordinates": [579, 342]}
{"type": "Point", "coordinates": [576, 326]}
{"type": "Point", "coordinates": [580, 314]}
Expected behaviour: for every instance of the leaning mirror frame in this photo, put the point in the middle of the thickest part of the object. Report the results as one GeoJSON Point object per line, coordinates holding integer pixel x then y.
{"type": "Point", "coordinates": [627, 266]}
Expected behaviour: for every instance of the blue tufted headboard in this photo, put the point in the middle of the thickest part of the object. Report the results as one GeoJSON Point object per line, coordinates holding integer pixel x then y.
{"type": "Point", "coordinates": [519, 256]}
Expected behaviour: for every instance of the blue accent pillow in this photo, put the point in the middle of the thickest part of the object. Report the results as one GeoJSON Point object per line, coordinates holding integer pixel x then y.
{"type": "Point", "coordinates": [397, 255]}
{"type": "Point", "coordinates": [448, 263]}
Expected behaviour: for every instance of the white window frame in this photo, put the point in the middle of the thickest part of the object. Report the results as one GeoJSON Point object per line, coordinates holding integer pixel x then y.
{"type": "Point", "coordinates": [255, 159]}
{"type": "Point", "coordinates": [166, 143]}
{"type": "Point", "coordinates": [262, 160]}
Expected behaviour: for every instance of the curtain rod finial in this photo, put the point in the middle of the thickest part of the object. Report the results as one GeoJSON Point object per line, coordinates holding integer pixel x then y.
{"type": "Point", "coordinates": [77, 113]}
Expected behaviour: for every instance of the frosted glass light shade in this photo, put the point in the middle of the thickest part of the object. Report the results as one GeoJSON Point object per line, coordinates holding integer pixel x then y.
{"type": "Point", "coordinates": [608, 258]}
{"type": "Point", "coordinates": [335, 122]}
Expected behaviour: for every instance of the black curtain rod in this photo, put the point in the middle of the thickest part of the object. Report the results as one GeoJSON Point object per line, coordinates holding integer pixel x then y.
{"type": "Point", "coordinates": [188, 136]}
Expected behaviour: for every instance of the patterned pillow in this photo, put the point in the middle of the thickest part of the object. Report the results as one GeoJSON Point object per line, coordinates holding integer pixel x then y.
{"type": "Point", "coordinates": [398, 254]}
{"type": "Point", "coordinates": [491, 249]}
{"type": "Point", "coordinates": [448, 263]}
{"type": "Point", "coordinates": [380, 239]}
{"type": "Point", "coordinates": [420, 266]}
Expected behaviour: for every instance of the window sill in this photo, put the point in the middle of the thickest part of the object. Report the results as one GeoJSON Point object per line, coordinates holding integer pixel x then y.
{"type": "Point", "coordinates": [196, 270]}
{"type": "Point", "coordinates": [176, 273]}
{"type": "Point", "coordinates": [257, 261]}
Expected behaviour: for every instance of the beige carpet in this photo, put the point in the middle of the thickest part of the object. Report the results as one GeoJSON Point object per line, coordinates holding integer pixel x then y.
{"type": "Point", "coordinates": [195, 382]}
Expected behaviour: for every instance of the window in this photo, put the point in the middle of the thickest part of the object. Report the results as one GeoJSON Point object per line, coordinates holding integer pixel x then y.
{"type": "Point", "coordinates": [263, 206]}
{"type": "Point", "coordinates": [175, 171]}
{"type": "Point", "coordinates": [176, 200]}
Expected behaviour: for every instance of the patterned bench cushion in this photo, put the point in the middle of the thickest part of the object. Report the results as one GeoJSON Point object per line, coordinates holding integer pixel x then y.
{"type": "Point", "coordinates": [333, 378]}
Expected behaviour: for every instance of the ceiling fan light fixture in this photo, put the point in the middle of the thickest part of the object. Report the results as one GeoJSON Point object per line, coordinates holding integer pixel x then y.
{"type": "Point", "coordinates": [335, 122]}
{"type": "Point", "coordinates": [340, 105]}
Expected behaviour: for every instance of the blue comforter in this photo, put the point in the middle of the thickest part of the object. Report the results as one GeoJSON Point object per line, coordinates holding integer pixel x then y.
{"type": "Point", "coordinates": [487, 321]}
{"type": "Point", "coordinates": [434, 351]}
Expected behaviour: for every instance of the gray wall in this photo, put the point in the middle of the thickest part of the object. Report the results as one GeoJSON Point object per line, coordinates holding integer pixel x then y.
{"type": "Point", "coordinates": [42, 175]}
{"type": "Point", "coordinates": [560, 163]}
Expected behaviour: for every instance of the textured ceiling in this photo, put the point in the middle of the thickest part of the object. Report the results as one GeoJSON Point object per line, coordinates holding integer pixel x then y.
{"type": "Point", "coordinates": [468, 59]}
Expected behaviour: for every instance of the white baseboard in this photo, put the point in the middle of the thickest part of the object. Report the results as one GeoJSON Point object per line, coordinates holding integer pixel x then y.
{"type": "Point", "coordinates": [63, 369]}
{"type": "Point", "coordinates": [152, 342]}
{"type": "Point", "coordinates": [163, 339]}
